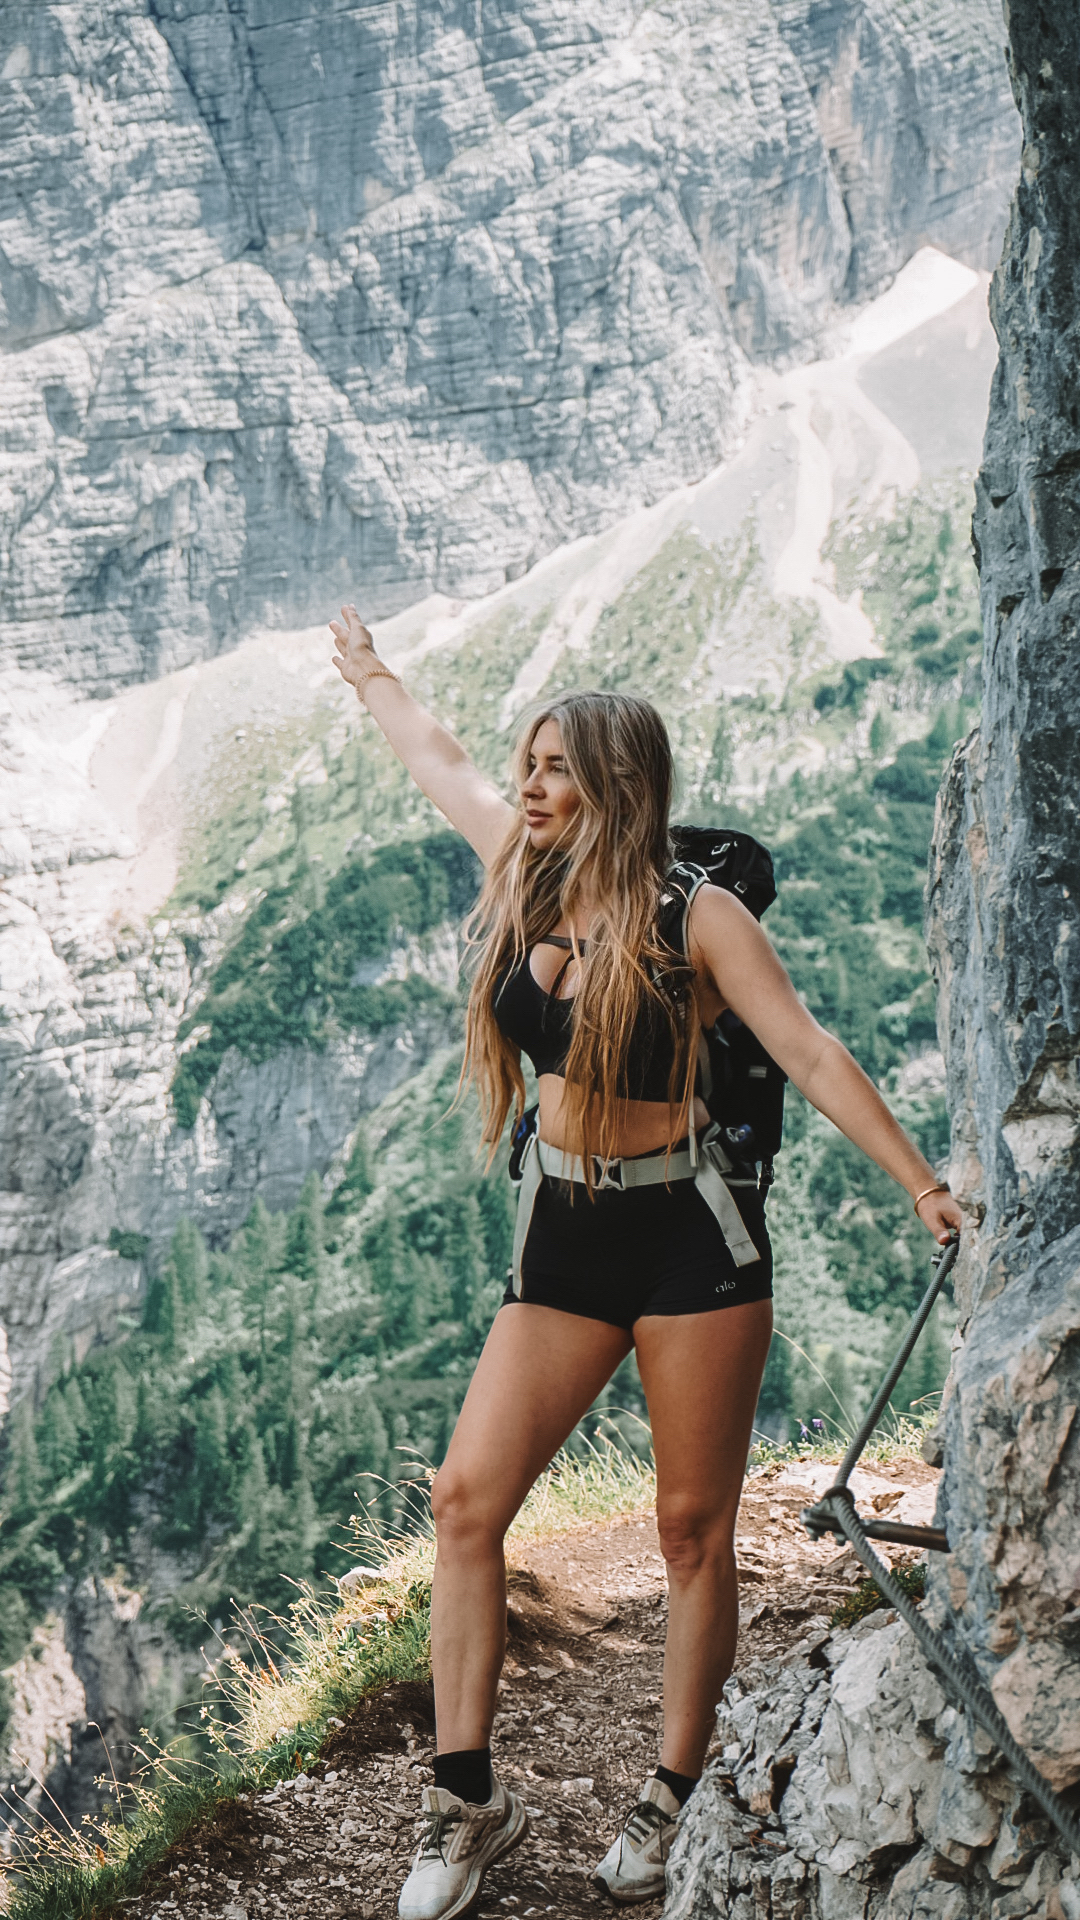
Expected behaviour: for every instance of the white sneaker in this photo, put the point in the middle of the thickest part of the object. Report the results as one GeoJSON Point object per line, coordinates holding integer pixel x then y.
{"type": "Point", "coordinates": [633, 1866]}
{"type": "Point", "coordinates": [459, 1846]}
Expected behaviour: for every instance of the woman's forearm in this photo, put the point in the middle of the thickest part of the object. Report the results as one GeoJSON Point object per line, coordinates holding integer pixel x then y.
{"type": "Point", "coordinates": [426, 748]}
{"type": "Point", "coordinates": [423, 745]}
{"type": "Point", "coordinates": [436, 761]}
{"type": "Point", "coordinates": [839, 1088]}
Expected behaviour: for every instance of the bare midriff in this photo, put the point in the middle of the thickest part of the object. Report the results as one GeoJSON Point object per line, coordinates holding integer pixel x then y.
{"type": "Point", "coordinates": [644, 1124]}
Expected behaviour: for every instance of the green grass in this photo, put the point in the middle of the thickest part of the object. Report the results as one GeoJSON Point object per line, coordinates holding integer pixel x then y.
{"type": "Point", "coordinates": [867, 1597]}
{"type": "Point", "coordinates": [898, 1437]}
{"type": "Point", "coordinates": [917, 580]}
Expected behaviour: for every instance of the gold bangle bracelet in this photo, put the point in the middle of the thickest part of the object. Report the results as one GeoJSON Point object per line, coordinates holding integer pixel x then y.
{"type": "Point", "coordinates": [939, 1188]}
{"type": "Point", "coordinates": [380, 671]}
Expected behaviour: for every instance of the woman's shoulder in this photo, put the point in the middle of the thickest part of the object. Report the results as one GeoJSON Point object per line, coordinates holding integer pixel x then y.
{"type": "Point", "coordinates": [716, 911]}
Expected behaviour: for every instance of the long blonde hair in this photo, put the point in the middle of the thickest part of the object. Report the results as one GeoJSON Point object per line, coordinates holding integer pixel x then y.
{"type": "Point", "coordinates": [618, 757]}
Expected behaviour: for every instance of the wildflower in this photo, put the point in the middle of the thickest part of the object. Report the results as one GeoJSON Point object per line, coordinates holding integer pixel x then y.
{"type": "Point", "coordinates": [820, 1425]}
{"type": "Point", "coordinates": [804, 1432]}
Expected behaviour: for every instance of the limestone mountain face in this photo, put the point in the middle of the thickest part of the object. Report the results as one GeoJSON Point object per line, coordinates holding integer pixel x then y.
{"type": "Point", "coordinates": [887, 1801]}
{"type": "Point", "coordinates": [379, 301]}
{"type": "Point", "coordinates": [1005, 929]}
{"type": "Point", "coordinates": [93, 1670]}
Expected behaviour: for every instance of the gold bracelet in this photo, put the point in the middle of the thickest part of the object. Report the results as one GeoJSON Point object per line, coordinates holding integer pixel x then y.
{"type": "Point", "coordinates": [380, 671]}
{"type": "Point", "coordinates": [940, 1188]}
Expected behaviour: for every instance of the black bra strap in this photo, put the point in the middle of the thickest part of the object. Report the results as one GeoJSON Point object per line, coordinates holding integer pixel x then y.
{"type": "Point", "coordinates": [553, 990]}
{"type": "Point", "coordinates": [560, 940]}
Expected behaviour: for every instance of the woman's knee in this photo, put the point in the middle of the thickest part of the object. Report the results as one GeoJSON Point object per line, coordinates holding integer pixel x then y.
{"type": "Point", "coordinates": [692, 1533]}
{"type": "Point", "coordinates": [462, 1510]}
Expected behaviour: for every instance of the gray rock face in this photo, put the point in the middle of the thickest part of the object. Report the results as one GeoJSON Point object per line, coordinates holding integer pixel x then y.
{"type": "Point", "coordinates": [851, 1788]}
{"type": "Point", "coordinates": [879, 1799]}
{"type": "Point", "coordinates": [96, 1670]}
{"type": "Point", "coordinates": [1006, 941]}
{"type": "Point", "coordinates": [295, 303]}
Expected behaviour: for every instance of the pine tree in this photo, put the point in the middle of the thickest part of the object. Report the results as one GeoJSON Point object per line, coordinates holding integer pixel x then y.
{"type": "Point", "coordinates": [304, 1527]}
{"type": "Point", "coordinates": [359, 1180]}
{"type": "Point", "coordinates": [289, 1452]}
{"type": "Point", "coordinates": [305, 1238]}
{"type": "Point", "coordinates": [125, 1407]}
{"type": "Point", "coordinates": [253, 1506]}
{"type": "Point", "coordinates": [721, 763]}
{"type": "Point", "coordinates": [835, 1391]}
{"type": "Point", "coordinates": [163, 1314]}
{"type": "Point", "coordinates": [369, 1449]}
{"type": "Point", "coordinates": [924, 1376]}
{"type": "Point", "coordinates": [774, 1400]}
{"type": "Point", "coordinates": [261, 1250]}
{"type": "Point", "coordinates": [23, 1479]}
{"type": "Point", "coordinates": [464, 1251]}
{"type": "Point", "coordinates": [259, 1246]}
{"type": "Point", "coordinates": [76, 1406]}
{"type": "Point", "coordinates": [496, 1201]}
{"type": "Point", "coordinates": [211, 1475]}
{"type": "Point", "coordinates": [144, 1440]}
{"type": "Point", "coordinates": [58, 1438]}
{"type": "Point", "coordinates": [187, 1253]}
{"type": "Point", "coordinates": [880, 732]}
{"type": "Point", "coordinates": [236, 1388]}
{"type": "Point", "coordinates": [391, 1264]}
{"type": "Point", "coordinates": [104, 1437]}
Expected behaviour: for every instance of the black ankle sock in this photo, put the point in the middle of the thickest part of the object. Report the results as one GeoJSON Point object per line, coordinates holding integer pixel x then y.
{"type": "Point", "coordinates": [681, 1785]}
{"type": "Point", "coordinates": [468, 1774]}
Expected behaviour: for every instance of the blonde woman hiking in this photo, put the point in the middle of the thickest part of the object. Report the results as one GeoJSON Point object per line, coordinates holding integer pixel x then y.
{"type": "Point", "coordinates": [634, 1228]}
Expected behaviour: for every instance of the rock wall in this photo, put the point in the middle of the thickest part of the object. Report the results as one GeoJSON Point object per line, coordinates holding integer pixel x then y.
{"type": "Point", "coordinates": [378, 300]}
{"type": "Point", "coordinates": [97, 1670]}
{"type": "Point", "coordinates": [1006, 942]}
{"type": "Point", "coordinates": [851, 1785]}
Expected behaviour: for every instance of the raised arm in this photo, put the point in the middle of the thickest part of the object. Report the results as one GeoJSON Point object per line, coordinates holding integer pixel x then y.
{"type": "Point", "coordinates": [734, 951]}
{"type": "Point", "coordinates": [437, 762]}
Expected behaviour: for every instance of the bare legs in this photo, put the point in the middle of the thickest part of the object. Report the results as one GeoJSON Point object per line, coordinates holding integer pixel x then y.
{"type": "Point", "coordinates": [701, 1373]}
{"type": "Point", "coordinates": [539, 1372]}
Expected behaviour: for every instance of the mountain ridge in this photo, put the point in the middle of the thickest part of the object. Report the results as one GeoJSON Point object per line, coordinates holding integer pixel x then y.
{"type": "Point", "coordinates": [459, 294]}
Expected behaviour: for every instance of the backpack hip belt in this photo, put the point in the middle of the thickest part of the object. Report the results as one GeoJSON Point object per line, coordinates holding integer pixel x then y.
{"type": "Point", "coordinates": [704, 1162]}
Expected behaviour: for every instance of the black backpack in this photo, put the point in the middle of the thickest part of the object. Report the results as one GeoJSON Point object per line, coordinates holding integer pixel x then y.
{"type": "Point", "coordinates": [741, 1084]}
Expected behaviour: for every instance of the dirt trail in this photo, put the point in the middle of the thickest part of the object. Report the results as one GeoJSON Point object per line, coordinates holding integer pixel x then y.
{"type": "Point", "coordinates": [577, 1729]}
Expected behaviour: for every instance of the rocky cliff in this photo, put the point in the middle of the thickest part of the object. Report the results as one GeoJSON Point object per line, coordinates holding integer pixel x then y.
{"type": "Point", "coordinates": [300, 302]}
{"type": "Point", "coordinates": [90, 1143]}
{"type": "Point", "coordinates": [96, 1671]}
{"type": "Point", "coordinates": [869, 1793]}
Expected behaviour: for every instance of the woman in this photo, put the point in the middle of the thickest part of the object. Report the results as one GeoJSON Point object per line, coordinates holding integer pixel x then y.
{"type": "Point", "coordinates": [626, 1249]}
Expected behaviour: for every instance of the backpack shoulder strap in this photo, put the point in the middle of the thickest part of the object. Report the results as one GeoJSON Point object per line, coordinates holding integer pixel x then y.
{"type": "Point", "coordinates": [673, 920]}
{"type": "Point", "coordinates": [681, 885]}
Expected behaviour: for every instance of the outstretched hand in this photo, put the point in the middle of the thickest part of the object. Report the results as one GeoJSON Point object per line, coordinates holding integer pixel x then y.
{"type": "Point", "coordinates": [355, 645]}
{"type": "Point", "coordinates": [942, 1215]}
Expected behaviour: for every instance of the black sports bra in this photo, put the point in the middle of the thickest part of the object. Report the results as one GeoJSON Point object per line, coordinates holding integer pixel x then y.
{"type": "Point", "coordinates": [539, 1023]}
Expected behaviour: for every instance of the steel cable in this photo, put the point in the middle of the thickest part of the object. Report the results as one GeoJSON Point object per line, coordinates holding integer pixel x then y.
{"type": "Point", "coordinates": [960, 1676]}
{"type": "Point", "coordinates": [835, 1512]}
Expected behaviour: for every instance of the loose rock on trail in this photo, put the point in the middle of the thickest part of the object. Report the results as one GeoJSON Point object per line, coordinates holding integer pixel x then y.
{"type": "Point", "coordinates": [577, 1728]}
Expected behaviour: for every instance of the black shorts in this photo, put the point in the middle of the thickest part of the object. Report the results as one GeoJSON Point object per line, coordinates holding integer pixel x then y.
{"type": "Point", "coordinates": [646, 1250]}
